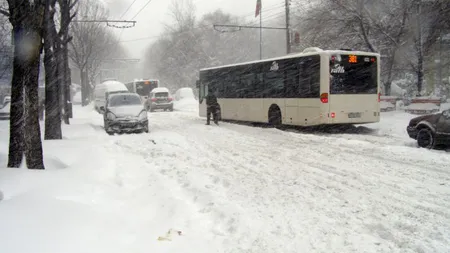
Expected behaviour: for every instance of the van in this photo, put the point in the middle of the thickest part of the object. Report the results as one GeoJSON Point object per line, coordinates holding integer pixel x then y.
{"type": "Point", "coordinates": [103, 90]}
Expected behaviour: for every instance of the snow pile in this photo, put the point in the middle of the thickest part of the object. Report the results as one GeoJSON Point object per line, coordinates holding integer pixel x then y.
{"type": "Point", "coordinates": [184, 93]}
{"type": "Point", "coordinates": [422, 106]}
{"type": "Point", "coordinates": [386, 105]}
{"type": "Point", "coordinates": [189, 104]}
{"type": "Point", "coordinates": [76, 99]}
{"type": "Point", "coordinates": [99, 197]}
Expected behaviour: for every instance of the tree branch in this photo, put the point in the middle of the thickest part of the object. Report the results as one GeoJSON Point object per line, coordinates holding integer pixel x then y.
{"type": "Point", "coordinates": [4, 12]}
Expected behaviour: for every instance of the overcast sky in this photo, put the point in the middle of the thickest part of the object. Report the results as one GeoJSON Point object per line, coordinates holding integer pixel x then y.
{"type": "Point", "coordinates": [150, 20]}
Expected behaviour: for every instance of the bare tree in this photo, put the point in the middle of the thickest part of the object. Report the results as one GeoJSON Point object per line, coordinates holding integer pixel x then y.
{"type": "Point", "coordinates": [56, 66]}
{"type": "Point", "coordinates": [27, 18]}
{"type": "Point", "coordinates": [186, 46]}
{"type": "Point", "coordinates": [92, 43]}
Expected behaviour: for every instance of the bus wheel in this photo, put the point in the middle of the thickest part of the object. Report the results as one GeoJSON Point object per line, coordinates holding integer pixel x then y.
{"type": "Point", "coordinates": [274, 116]}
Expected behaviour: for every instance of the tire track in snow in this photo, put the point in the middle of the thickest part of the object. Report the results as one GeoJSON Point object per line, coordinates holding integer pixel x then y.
{"type": "Point", "coordinates": [399, 207]}
{"type": "Point", "coordinates": [264, 173]}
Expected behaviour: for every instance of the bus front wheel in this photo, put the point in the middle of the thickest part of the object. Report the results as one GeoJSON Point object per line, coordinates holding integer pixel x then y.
{"type": "Point", "coordinates": [275, 116]}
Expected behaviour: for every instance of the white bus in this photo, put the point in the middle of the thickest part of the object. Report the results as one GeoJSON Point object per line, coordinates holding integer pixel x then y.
{"type": "Point", "coordinates": [314, 87]}
{"type": "Point", "coordinates": [143, 88]}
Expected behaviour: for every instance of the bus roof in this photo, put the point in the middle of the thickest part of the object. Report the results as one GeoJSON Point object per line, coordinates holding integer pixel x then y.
{"type": "Point", "coordinates": [306, 52]}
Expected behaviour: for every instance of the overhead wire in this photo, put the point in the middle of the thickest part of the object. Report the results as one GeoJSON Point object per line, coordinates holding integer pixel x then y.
{"type": "Point", "coordinates": [270, 8]}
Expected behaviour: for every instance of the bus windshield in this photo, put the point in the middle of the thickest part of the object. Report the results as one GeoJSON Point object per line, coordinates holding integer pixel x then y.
{"type": "Point", "coordinates": [354, 75]}
{"type": "Point", "coordinates": [143, 88]}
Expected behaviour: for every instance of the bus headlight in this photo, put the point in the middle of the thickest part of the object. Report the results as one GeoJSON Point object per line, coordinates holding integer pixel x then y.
{"type": "Point", "coordinates": [142, 116]}
{"type": "Point", "coordinates": [110, 116]}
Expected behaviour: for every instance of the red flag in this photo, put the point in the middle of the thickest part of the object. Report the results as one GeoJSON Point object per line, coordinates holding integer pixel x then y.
{"type": "Point", "coordinates": [258, 8]}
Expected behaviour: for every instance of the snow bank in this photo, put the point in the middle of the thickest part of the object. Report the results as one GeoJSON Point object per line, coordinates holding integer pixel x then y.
{"type": "Point", "coordinates": [386, 105]}
{"type": "Point", "coordinates": [184, 93]}
{"type": "Point", "coordinates": [186, 104]}
{"type": "Point", "coordinates": [422, 106]}
{"type": "Point", "coordinates": [106, 199]}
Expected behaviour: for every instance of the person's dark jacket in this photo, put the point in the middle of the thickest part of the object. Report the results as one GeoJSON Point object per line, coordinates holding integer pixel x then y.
{"type": "Point", "coordinates": [211, 100]}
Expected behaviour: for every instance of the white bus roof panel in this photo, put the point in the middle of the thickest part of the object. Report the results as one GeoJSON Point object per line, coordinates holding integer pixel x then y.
{"type": "Point", "coordinates": [295, 55]}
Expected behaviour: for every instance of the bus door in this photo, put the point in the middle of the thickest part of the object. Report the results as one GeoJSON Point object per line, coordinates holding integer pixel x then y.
{"type": "Point", "coordinates": [202, 93]}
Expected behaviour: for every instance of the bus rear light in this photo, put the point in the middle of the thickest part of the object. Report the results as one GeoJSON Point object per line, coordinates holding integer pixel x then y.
{"type": "Point", "coordinates": [379, 97]}
{"type": "Point", "coordinates": [170, 99]}
{"type": "Point", "coordinates": [333, 115]}
{"type": "Point", "coordinates": [324, 98]}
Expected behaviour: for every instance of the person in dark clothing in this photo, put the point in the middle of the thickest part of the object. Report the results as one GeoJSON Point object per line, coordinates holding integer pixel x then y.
{"type": "Point", "coordinates": [211, 107]}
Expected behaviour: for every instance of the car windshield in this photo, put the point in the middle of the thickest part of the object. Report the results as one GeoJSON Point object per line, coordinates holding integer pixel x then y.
{"type": "Point", "coordinates": [124, 100]}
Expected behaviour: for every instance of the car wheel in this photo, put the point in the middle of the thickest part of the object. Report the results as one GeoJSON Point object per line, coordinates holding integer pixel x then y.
{"type": "Point", "coordinates": [171, 109]}
{"type": "Point", "coordinates": [425, 138]}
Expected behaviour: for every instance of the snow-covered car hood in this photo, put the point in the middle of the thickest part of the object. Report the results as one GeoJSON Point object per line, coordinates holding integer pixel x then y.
{"type": "Point", "coordinates": [128, 110]}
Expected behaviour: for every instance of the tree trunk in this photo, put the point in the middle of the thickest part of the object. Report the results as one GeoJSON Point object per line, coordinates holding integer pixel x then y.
{"type": "Point", "coordinates": [390, 65]}
{"type": "Point", "coordinates": [420, 73]}
{"type": "Point", "coordinates": [84, 88]}
{"type": "Point", "coordinates": [52, 91]}
{"type": "Point", "coordinates": [66, 83]}
{"type": "Point", "coordinates": [16, 122]}
{"type": "Point", "coordinates": [33, 143]}
{"type": "Point", "coordinates": [61, 80]}
{"type": "Point", "coordinates": [52, 109]}
{"type": "Point", "coordinates": [419, 50]}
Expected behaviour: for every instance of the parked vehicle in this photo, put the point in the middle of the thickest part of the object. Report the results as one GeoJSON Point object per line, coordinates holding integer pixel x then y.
{"type": "Point", "coordinates": [124, 113]}
{"type": "Point", "coordinates": [431, 130]}
{"type": "Point", "coordinates": [160, 98]}
{"type": "Point", "coordinates": [104, 89]}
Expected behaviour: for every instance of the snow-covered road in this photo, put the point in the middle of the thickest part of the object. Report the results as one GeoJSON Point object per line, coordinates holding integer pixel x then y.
{"type": "Point", "coordinates": [234, 188]}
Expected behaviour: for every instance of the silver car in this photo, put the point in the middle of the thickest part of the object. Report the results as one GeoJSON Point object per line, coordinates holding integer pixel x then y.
{"type": "Point", "coordinates": [124, 113]}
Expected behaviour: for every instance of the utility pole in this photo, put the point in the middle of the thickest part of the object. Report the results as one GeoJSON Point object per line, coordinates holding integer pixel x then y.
{"type": "Point", "coordinates": [288, 37]}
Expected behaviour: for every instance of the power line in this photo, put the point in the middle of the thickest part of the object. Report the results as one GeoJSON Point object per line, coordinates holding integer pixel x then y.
{"type": "Point", "coordinates": [149, 1]}
{"type": "Point", "coordinates": [270, 8]}
{"type": "Point", "coordinates": [127, 9]}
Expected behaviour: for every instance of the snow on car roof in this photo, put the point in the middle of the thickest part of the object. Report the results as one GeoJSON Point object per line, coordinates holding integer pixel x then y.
{"type": "Point", "coordinates": [113, 85]}
{"type": "Point", "coordinates": [160, 89]}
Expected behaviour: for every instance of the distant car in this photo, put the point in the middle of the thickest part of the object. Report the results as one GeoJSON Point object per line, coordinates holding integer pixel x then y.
{"type": "Point", "coordinates": [431, 130]}
{"type": "Point", "coordinates": [160, 98]}
{"type": "Point", "coordinates": [5, 110]}
{"type": "Point", "coordinates": [106, 88]}
{"type": "Point", "coordinates": [124, 113]}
